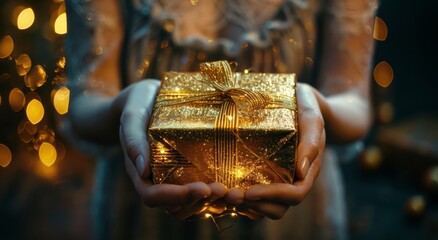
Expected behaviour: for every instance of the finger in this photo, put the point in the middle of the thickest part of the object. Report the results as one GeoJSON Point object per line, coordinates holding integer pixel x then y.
{"type": "Point", "coordinates": [218, 190]}
{"type": "Point", "coordinates": [244, 211]}
{"type": "Point", "coordinates": [235, 197]}
{"type": "Point", "coordinates": [133, 121]}
{"type": "Point", "coordinates": [190, 210]}
{"type": "Point", "coordinates": [174, 195]}
{"type": "Point", "coordinates": [269, 209]}
{"type": "Point", "coordinates": [311, 126]}
{"type": "Point", "coordinates": [289, 194]}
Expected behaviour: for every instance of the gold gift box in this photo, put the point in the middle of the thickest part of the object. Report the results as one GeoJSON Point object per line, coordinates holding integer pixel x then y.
{"type": "Point", "coordinates": [218, 126]}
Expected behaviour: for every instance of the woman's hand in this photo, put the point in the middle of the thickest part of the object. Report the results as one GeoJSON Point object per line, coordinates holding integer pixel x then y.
{"type": "Point", "coordinates": [182, 201]}
{"type": "Point", "coordinates": [273, 200]}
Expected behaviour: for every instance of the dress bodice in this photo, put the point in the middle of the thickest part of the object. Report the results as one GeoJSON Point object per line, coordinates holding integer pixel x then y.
{"type": "Point", "coordinates": [260, 36]}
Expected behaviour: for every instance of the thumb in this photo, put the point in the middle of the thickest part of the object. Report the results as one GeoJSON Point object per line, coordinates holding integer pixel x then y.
{"type": "Point", "coordinates": [134, 119]}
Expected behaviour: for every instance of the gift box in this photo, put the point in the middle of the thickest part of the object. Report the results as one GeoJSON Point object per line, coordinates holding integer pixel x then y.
{"type": "Point", "coordinates": [239, 129]}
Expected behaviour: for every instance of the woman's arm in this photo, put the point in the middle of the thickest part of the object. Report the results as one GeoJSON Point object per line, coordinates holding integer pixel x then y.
{"type": "Point", "coordinates": [344, 74]}
{"type": "Point", "coordinates": [338, 110]}
{"type": "Point", "coordinates": [103, 113]}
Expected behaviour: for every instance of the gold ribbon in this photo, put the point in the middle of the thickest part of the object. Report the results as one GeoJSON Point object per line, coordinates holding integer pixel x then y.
{"type": "Point", "coordinates": [219, 76]}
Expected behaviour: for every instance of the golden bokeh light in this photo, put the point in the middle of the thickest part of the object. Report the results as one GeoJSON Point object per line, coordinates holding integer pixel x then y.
{"type": "Point", "coordinates": [26, 131]}
{"type": "Point", "coordinates": [16, 99]}
{"type": "Point", "coordinates": [35, 111]}
{"type": "Point", "coordinates": [25, 19]}
{"type": "Point", "coordinates": [61, 100]}
{"type": "Point", "coordinates": [5, 155]}
{"type": "Point", "coordinates": [36, 77]}
{"type": "Point", "coordinates": [383, 74]}
{"type": "Point", "coordinates": [60, 25]}
{"type": "Point", "coordinates": [47, 154]}
{"type": "Point", "coordinates": [23, 64]}
{"type": "Point", "coordinates": [380, 29]}
{"type": "Point", "coordinates": [6, 46]}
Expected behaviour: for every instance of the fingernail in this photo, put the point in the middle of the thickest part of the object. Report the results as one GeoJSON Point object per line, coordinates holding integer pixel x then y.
{"type": "Point", "coordinates": [140, 164]}
{"type": "Point", "coordinates": [304, 167]}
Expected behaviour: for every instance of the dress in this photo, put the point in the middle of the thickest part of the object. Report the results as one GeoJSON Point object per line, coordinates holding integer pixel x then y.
{"type": "Point", "coordinates": [260, 36]}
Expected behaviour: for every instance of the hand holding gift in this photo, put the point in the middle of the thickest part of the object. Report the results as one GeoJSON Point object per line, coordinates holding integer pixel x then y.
{"type": "Point", "coordinates": [183, 156]}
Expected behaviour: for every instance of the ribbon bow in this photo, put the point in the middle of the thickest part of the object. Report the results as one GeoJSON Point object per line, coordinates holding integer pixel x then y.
{"type": "Point", "coordinates": [219, 75]}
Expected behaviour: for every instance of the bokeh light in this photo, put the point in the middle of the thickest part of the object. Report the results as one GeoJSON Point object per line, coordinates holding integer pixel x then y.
{"type": "Point", "coordinates": [5, 155]}
{"type": "Point", "coordinates": [380, 29]}
{"type": "Point", "coordinates": [16, 99]}
{"type": "Point", "coordinates": [60, 25]}
{"type": "Point", "coordinates": [6, 46]}
{"type": "Point", "coordinates": [25, 19]}
{"type": "Point", "coordinates": [35, 111]}
{"type": "Point", "coordinates": [23, 64]}
{"type": "Point", "coordinates": [383, 74]}
{"type": "Point", "coordinates": [36, 77]}
{"type": "Point", "coordinates": [47, 154]}
{"type": "Point", "coordinates": [61, 100]}
{"type": "Point", "coordinates": [26, 131]}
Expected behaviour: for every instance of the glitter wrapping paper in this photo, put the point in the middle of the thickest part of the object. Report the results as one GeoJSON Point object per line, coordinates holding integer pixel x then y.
{"type": "Point", "coordinates": [217, 126]}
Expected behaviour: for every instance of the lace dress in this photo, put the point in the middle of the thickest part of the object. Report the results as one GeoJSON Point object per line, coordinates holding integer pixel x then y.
{"type": "Point", "coordinates": [162, 35]}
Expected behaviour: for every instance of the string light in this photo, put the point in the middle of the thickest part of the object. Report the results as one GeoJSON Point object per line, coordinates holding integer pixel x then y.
{"type": "Point", "coordinates": [60, 25]}
{"type": "Point", "coordinates": [6, 46]}
{"type": "Point", "coordinates": [61, 100]}
{"type": "Point", "coordinates": [25, 19]}
{"type": "Point", "coordinates": [23, 64]}
{"type": "Point", "coordinates": [35, 111]}
{"type": "Point", "coordinates": [380, 29]}
{"type": "Point", "coordinates": [47, 154]}
{"type": "Point", "coordinates": [383, 74]}
{"type": "Point", "coordinates": [5, 155]}
{"type": "Point", "coordinates": [16, 99]}
{"type": "Point", "coordinates": [36, 77]}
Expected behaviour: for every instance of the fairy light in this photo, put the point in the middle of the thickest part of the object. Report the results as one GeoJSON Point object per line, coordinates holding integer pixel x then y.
{"type": "Point", "coordinates": [383, 74]}
{"type": "Point", "coordinates": [47, 153]}
{"type": "Point", "coordinates": [36, 77]}
{"type": "Point", "coordinates": [380, 29]}
{"type": "Point", "coordinates": [25, 19]}
{"type": "Point", "coordinates": [35, 111]}
{"type": "Point", "coordinates": [60, 25]}
{"type": "Point", "coordinates": [6, 46]}
{"type": "Point", "coordinates": [23, 64]}
{"type": "Point", "coordinates": [61, 100]}
{"type": "Point", "coordinates": [5, 156]}
{"type": "Point", "coordinates": [16, 99]}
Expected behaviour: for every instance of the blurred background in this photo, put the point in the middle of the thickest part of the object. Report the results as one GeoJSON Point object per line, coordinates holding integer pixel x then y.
{"type": "Point", "coordinates": [46, 185]}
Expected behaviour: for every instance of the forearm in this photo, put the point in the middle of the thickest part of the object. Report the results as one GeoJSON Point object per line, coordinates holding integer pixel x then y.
{"type": "Point", "coordinates": [344, 76]}
{"type": "Point", "coordinates": [347, 116]}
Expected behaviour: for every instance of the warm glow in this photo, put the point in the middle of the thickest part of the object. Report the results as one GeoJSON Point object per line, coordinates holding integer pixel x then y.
{"type": "Point", "coordinates": [383, 74]}
{"type": "Point", "coordinates": [207, 215]}
{"type": "Point", "coordinates": [380, 29]}
{"type": "Point", "coordinates": [36, 77]}
{"type": "Point", "coordinates": [6, 46]}
{"type": "Point", "coordinates": [47, 154]}
{"type": "Point", "coordinates": [5, 155]}
{"type": "Point", "coordinates": [23, 64]}
{"type": "Point", "coordinates": [61, 24]}
{"type": "Point", "coordinates": [35, 111]}
{"type": "Point", "coordinates": [25, 19]}
{"type": "Point", "coordinates": [61, 100]}
{"type": "Point", "coordinates": [16, 99]}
